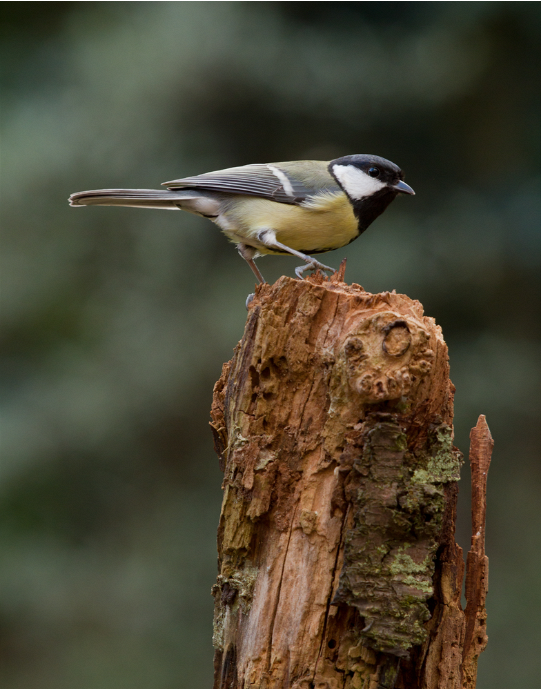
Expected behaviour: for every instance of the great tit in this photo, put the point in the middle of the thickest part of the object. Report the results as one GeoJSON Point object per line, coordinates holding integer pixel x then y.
{"type": "Point", "coordinates": [299, 207]}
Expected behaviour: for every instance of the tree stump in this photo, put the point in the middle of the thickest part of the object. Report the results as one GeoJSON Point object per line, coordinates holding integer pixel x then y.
{"type": "Point", "coordinates": [337, 561]}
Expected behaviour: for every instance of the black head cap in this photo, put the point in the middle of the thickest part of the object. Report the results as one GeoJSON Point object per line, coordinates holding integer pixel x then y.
{"type": "Point", "coordinates": [387, 171]}
{"type": "Point", "coordinates": [361, 175]}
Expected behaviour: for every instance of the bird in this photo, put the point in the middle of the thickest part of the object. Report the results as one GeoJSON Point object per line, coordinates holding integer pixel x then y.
{"type": "Point", "coordinates": [299, 208]}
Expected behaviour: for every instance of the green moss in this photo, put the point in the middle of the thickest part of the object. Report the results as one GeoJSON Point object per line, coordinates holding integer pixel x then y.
{"type": "Point", "coordinates": [422, 585]}
{"type": "Point", "coordinates": [444, 463]}
{"type": "Point", "coordinates": [404, 564]}
{"type": "Point", "coordinates": [398, 506]}
{"type": "Point", "coordinates": [400, 442]}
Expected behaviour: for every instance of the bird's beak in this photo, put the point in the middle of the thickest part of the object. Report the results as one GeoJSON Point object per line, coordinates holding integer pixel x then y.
{"type": "Point", "coordinates": [403, 187]}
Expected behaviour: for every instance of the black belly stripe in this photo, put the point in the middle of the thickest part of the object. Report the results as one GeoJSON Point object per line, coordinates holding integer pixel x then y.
{"type": "Point", "coordinates": [330, 249]}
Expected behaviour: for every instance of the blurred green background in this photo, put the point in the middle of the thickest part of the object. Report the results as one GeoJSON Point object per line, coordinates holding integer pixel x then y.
{"type": "Point", "coordinates": [115, 322]}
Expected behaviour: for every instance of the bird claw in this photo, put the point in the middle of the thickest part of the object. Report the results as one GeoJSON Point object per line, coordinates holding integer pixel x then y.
{"type": "Point", "coordinates": [249, 300]}
{"type": "Point", "coordinates": [312, 266]}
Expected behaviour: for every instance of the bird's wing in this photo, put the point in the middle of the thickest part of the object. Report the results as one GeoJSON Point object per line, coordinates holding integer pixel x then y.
{"type": "Point", "coordinates": [286, 183]}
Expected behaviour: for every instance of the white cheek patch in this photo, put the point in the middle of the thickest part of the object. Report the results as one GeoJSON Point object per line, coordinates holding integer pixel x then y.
{"type": "Point", "coordinates": [356, 183]}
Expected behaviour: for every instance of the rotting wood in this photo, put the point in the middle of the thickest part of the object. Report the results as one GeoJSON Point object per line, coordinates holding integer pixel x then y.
{"type": "Point", "coordinates": [338, 565]}
{"type": "Point", "coordinates": [475, 637]}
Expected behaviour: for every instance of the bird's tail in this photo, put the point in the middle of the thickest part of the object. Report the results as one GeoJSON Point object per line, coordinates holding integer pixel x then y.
{"type": "Point", "coordinates": [142, 198]}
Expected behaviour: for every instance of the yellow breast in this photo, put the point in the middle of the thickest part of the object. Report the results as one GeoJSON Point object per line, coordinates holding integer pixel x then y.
{"type": "Point", "coordinates": [322, 223]}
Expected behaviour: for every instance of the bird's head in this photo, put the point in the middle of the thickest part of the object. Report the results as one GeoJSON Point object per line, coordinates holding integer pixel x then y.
{"type": "Point", "coordinates": [362, 176]}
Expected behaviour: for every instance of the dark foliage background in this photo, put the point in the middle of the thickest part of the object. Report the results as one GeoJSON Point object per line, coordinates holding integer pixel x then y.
{"type": "Point", "coordinates": [115, 322]}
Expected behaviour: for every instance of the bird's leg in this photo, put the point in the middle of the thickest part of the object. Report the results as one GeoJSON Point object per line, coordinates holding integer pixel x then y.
{"type": "Point", "coordinates": [268, 238]}
{"type": "Point", "coordinates": [247, 254]}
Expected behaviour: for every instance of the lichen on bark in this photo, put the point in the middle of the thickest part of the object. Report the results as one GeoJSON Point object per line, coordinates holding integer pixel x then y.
{"type": "Point", "coordinates": [397, 500]}
{"type": "Point", "coordinates": [232, 593]}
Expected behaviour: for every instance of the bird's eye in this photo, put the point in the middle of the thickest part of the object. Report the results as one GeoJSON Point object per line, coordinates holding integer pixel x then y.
{"type": "Point", "coordinates": [373, 172]}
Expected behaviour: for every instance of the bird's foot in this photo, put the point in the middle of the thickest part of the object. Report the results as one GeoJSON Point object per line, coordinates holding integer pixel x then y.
{"type": "Point", "coordinates": [312, 266]}
{"type": "Point", "coordinates": [249, 300]}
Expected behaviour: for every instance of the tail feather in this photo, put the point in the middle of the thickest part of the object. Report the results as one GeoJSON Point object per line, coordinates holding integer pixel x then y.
{"type": "Point", "coordinates": [196, 202]}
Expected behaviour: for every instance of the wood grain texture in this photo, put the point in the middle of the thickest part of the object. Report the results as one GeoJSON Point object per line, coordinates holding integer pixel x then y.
{"type": "Point", "coordinates": [338, 566]}
{"type": "Point", "coordinates": [475, 637]}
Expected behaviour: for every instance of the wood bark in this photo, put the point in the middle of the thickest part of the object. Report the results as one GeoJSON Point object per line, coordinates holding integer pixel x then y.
{"type": "Point", "coordinates": [337, 561]}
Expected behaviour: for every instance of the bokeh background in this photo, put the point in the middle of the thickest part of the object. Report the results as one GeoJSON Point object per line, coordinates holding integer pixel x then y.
{"type": "Point", "coordinates": [115, 322]}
